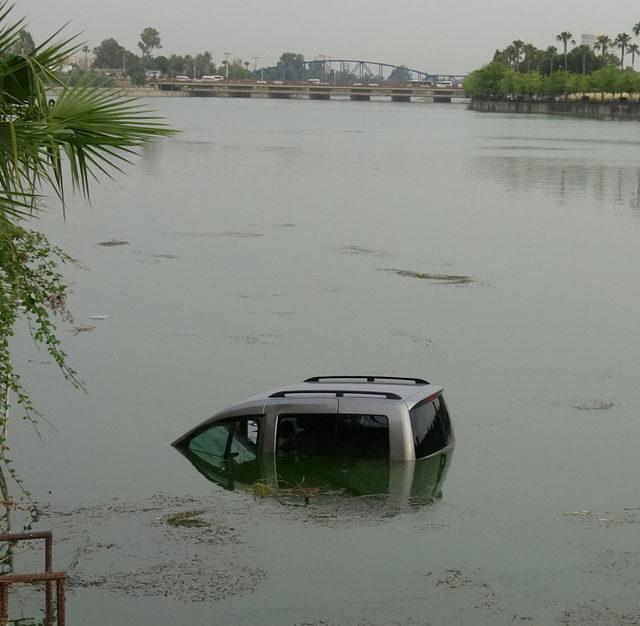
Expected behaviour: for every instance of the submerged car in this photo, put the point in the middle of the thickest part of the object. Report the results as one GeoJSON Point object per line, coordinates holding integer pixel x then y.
{"type": "Point", "coordinates": [363, 417]}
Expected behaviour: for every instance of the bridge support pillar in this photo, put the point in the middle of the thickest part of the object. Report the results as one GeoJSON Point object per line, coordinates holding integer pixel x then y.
{"type": "Point", "coordinates": [400, 98]}
{"type": "Point", "coordinates": [360, 97]}
{"type": "Point", "coordinates": [319, 96]}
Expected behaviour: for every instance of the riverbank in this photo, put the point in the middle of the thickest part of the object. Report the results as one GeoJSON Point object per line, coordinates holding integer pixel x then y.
{"type": "Point", "coordinates": [590, 110]}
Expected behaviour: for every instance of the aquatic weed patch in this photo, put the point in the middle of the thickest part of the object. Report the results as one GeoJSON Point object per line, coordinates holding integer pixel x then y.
{"type": "Point", "coordinates": [359, 250]}
{"type": "Point", "coordinates": [448, 279]}
{"type": "Point", "coordinates": [187, 519]}
{"type": "Point", "coordinates": [110, 243]}
{"type": "Point", "coordinates": [595, 404]}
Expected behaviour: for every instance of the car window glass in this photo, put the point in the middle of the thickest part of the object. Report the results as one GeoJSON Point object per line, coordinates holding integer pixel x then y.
{"type": "Point", "coordinates": [428, 436]}
{"type": "Point", "coordinates": [340, 435]}
{"type": "Point", "coordinates": [232, 439]}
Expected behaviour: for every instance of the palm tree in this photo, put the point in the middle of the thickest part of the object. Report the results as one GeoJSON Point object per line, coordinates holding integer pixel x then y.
{"type": "Point", "coordinates": [85, 49]}
{"type": "Point", "coordinates": [603, 42]}
{"type": "Point", "coordinates": [517, 45]}
{"type": "Point", "coordinates": [622, 41]}
{"type": "Point", "coordinates": [246, 69]}
{"type": "Point", "coordinates": [551, 53]}
{"type": "Point", "coordinates": [583, 53]}
{"type": "Point", "coordinates": [529, 51]}
{"type": "Point", "coordinates": [636, 29]}
{"type": "Point", "coordinates": [634, 49]}
{"type": "Point", "coordinates": [76, 135]}
{"type": "Point", "coordinates": [565, 37]}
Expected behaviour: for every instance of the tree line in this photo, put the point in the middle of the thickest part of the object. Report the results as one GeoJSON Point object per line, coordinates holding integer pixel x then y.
{"type": "Point", "coordinates": [109, 57]}
{"type": "Point", "coordinates": [497, 80]}
{"type": "Point", "coordinates": [523, 70]}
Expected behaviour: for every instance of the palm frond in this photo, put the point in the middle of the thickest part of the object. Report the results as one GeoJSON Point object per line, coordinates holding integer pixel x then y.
{"type": "Point", "coordinates": [85, 131]}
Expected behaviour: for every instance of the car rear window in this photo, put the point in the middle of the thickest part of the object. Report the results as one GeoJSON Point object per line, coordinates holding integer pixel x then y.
{"type": "Point", "coordinates": [431, 427]}
{"type": "Point", "coordinates": [340, 435]}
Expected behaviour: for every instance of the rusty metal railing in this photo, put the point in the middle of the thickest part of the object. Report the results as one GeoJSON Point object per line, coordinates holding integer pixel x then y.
{"type": "Point", "coordinates": [48, 577]}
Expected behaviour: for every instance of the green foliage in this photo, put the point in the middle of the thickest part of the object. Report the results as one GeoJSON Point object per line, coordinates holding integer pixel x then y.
{"type": "Point", "coordinates": [44, 141]}
{"type": "Point", "coordinates": [25, 44]}
{"type": "Point", "coordinates": [108, 55]}
{"type": "Point", "coordinates": [622, 40]}
{"type": "Point", "coordinates": [290, 67]}
{"type": "Point", "coordinates": [136, 75]}
{"type": "Point", "coordinates": [604, 80]}
{"type": "Point", "coordinates": [522, 71]}
{"type": "Point", "coordinates": [293, 65]}
{"type": "Point", "coordinates": [497, 80]}
{"type": "Point", "coordinates": [31, 291]}
{"type": "Point", "coordinates": [78, 77]}
{"type": "Point", "coordinates": [149, 41]}
{"type": "Point", "coordinates": [485, 82]}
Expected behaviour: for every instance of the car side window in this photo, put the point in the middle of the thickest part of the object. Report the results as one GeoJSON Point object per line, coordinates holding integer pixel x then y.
{"type": "Point", "coordinates": [235, 439]}
{"type": "Point", "coordinates": [334, 435]}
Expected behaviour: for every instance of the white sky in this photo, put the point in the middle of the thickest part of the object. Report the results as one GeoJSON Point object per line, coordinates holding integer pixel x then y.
{"type": "Point", "coordinates": [437, 36]}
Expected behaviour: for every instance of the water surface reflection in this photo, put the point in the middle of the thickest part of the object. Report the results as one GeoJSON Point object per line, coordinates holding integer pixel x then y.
{"type": "Point", "coordinates": [567, 180]}
{"type": "Point", "coordinates": [318, 481]}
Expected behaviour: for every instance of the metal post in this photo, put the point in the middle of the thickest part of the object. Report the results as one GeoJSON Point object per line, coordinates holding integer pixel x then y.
{"type": "Point", "coordinates": [226, 65]}
{"type": "Point", "coordinates": [4, 604]}
{"type": "Point", "coordinates": [48, 585]}
{"type": "Point", "coordinates": [60, 601]}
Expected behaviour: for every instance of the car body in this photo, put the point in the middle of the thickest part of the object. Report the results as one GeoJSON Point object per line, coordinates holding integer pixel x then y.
{"type": "Point", "coordinates": [261, 82]}
{"type": "Point", "coordinates": [444, 84]}
{"type": "Point", "coordinates": [181, 77]}
{"type": "Point", "coordinates": [278, 82]}
{"type": "Point", "coordinates": [213, 78]}
{"type": "Point", "coordinates": [371, 417]}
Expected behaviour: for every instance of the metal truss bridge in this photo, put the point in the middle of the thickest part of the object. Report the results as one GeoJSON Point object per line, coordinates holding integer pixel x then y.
{"type": "Point", "coordinates": [365, 70]}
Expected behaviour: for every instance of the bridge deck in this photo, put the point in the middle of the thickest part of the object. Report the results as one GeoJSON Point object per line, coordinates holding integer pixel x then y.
{"type": "Point", "coordinates": [247, 89]}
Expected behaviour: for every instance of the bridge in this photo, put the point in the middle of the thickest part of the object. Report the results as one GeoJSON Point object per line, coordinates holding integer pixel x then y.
{"type": "Point", "coordinates": [371, 70]}
{"type": "Point", "coordinates": [394, 92]}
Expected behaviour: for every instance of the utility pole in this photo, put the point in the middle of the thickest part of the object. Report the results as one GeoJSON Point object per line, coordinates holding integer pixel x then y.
{"type": "Point", "coordinates": [226, 64]}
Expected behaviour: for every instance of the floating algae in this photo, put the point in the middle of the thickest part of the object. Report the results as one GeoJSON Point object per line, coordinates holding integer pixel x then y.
{"type": "Point", "coordinates": [112, 242]}
{"type": "Point", "coordinates": [448, 279]}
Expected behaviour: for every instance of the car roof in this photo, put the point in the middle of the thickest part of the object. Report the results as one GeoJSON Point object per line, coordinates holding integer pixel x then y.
{"type": "Point", "coordinates": [385, 387]}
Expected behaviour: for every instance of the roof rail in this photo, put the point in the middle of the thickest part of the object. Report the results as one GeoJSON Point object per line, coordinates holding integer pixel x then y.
{"type": "Point", "coordinates": [369, 379]}
{"type": "Point", "coordinates": [339, 393]}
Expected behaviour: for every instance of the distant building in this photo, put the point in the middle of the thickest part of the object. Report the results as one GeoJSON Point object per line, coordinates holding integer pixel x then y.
{"type": "Point", "coordinates": [81, 59]}
{"type": "Point", "coordinates": [587, 39]}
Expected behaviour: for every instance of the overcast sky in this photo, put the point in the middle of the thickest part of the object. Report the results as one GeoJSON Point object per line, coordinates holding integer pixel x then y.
{"type": "Point", "coordinates": [437, 36]}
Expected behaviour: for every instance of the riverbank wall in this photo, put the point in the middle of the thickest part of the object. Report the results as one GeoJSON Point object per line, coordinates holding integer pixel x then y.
{"type": "Point", "coordinates": [591, 110]}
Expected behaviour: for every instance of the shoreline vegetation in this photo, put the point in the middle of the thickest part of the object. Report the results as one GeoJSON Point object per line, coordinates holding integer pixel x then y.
{"type": "Point", "coordinates": [524, 79]}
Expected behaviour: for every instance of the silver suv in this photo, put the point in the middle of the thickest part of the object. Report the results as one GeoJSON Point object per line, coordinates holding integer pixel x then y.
{"type": "Point", "coordinates": [369, 417]}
